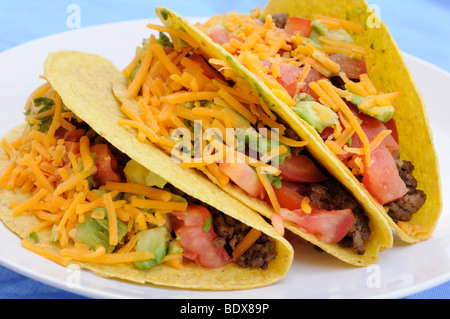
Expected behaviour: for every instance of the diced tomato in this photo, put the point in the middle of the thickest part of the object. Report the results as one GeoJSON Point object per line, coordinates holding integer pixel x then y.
{"type": "Point", "coordinates": [390, 125]}
{"type": "Point", "coordinates": [289, 77]}
{"type": "Point", "coordinates": [381, 177]}
{"type": "Point", "coordinates": [74, 136]}
{"type": "Point", "coordinates": [300, 25]}
{"type": "Point", "coordinates": [278, 224]}
{"type": "Point", "coordinates": [300, 168]}
{"type": "Point", "coordinates": [313, 76]}
{"type": "Point", "coordinates": [196, 235]}
{"type": "Point", "coordinates": [302, 189]}
{"type": "Point", "coordinates": [106, 163]}
{"type": "Point", "coordinates": [328, 226]}
{"type": "Point", "coordinates": [352, 67]}
{"type": "Point", "coordinates": [60, 132]}
{"type": "Point", "coordinates": [244, 177]}
{"type": "Point", "coordinates": [326, 133]}
{"type": "Point", "coordinates": [219, 34]}
{"type": "Point", "coordinates": [371, 127]}
{"type": "Point", "coordinates": [287, 197]}
{"type": "Point", "coordinates": [72, 140]}
{"type": "Point", "coordinates": [73, 147]}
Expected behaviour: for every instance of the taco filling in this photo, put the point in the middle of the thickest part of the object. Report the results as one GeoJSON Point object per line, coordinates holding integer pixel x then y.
{"type": "Point", "coordinates": [104, 208]}
{"type": "Point", "coordinates": [186, 104]}
{"type": "Point", "coordinates": [316, 68]}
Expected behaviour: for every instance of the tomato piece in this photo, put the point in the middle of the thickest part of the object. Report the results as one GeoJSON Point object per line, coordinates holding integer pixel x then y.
{"type": "Point", "coordinates": [219, 34]}
{"type": "Point", "coordinates": [195, 215]}
{"type": "Point", "coordinates": [390, 125]}
{"type": "Point", "coordinates": [381, 178]}
{"type": "Point", "coordinates": [277, 223]}
{"type": "Point", "coordinates": [313, 76]}
{"type": "Point", "coordinates": [71, 140]}
{"type": "Point", "coordinates": [352, 67]}
{"type": "Point", "coordinates": [106, 163]}
{"type": "Point", "coordinates": [326, 133]}
{"type": "Point", "coordinates": [73, 147]}
{"type": "Point", "coordinates": [329, 226]}
{"type": "Point", "coordinates": [196, 237]}
{"type": "Point", "coordinates": [75, 135]}
{"type": "Point", "coordinates": [298, 25]}
{"type": "Point", "coordinates": [297, 187]}
{"type": "Point", "coordinates": [289, 77]}
{"type": "Point", "coordinates": [244, 177]}
{"type": "Point", "coordinates": [371, 127]}
{"type": "Point", "coordinates": [287, 197]}
{"type": "Point", "coordinates": [300, 168]}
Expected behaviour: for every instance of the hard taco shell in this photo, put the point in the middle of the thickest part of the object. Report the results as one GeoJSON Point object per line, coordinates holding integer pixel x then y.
{"type": "Point", "coordinates": [84, 82]}
{"type": "Point", "coordinates": [389, 73]}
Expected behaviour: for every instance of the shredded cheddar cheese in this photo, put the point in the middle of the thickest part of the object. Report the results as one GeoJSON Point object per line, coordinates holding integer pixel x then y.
{"type": "Point", "coordinates": [260, 48]}
{"type": "Point", "coordinates": [269, 189]}
{"type": "Point", "coordinates": [334, 23]}
{"type": "Point", "coordinates": [246, 242]}
{"type": "Point", "coordinates": [179, 89]}
{"type": "Point", "coordinates": [412, 229]}
{"type": "Point", "coordinates": [56, 177]}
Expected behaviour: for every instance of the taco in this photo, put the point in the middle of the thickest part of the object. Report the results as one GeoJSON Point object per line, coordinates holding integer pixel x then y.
{"type": "Point", "coordinates": [333, 72]}
{"type": "Point", "coordinates": [78, 188]}
{"type": "Point", "coordinates": [210, 120]}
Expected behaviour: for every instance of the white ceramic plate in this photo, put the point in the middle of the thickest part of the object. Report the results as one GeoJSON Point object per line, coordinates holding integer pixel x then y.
{"type": "Point", "coordinates": [401, 271]}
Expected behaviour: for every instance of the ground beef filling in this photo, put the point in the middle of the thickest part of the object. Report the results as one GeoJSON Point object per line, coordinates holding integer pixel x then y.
{"type": "Point", "coordinates": [232, 231]}
{"type": "Point", "coordinates": [330, 195]}
{"type": "Point", "coordinates": [403, 209]}
{"type": "Point", "coordinates": [280, 19]}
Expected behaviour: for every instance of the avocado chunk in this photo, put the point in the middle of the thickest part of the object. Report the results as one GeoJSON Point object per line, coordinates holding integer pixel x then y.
{"type": "Point", "coordinates": [382, 113]}
{"type": "Point", "coordinates": [258, 145]}
{"type": "Point", "coordinates": [340, 35]}
{"type": "Point", "coordinates": [318, 29]}
{"type": "Point", "coordinates": [316, 114]}
{"type": "Point", "coordinates": [138, 174]}
{"type": "Point", "coordinates": [175, 247]}
{"type": "Point", "coordinates": [155, 240]}
{"type": "Point", "coordinates": [95, 232]}
{"type": "Point", "coordinates": [41, 105]}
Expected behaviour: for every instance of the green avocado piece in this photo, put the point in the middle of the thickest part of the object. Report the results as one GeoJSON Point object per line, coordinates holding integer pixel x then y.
{"type": "Point", "coordinates": [174, 247]}
{"type": "Point", "coordinates": [155, 240]}
{"type": "Point", "coordinates": [316, 114]}
{"type": "Point", "coordinates": [95, 232]}
{"type": "Point", "coordinates": [138, 174]}
{"type": "Point", "coordinates": [382, 113]}
{"type": "Point", "coordinates": [318, 30]}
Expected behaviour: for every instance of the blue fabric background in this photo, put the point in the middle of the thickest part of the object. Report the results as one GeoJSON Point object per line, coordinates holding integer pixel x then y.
{"type": "Point", "coordinates": [421, 28]}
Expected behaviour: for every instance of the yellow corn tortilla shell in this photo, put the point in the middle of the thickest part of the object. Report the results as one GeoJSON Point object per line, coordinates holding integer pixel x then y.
{"type": "Point", "coordinates": [84, 83]}
{"type": "Point", "coordinates": [388, 72]}
{"type": "Point", "coordinates": [381, 236]}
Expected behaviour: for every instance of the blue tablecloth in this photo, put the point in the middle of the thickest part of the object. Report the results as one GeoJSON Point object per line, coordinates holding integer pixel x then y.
{"type": "Point", "coordinates": [420, 27]}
